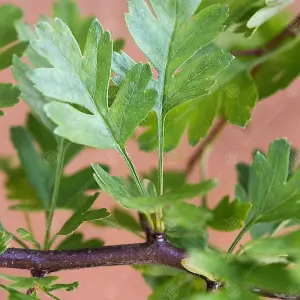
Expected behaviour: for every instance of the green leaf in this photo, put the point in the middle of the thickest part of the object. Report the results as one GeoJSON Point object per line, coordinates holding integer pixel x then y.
{"type": "Point", "coordinates": [242, 271]}
{"type": "Point", "coordinates": [9, 14]}
{"type": "Point", "coordinates": [274, 247]}
{"type": "Point", "coordinates": [75, 185]}
{"type": "Point", "coordinates": [39, 174]}
{"type": "Point", "coordinates": [69, 287]}
{"type": "Point", "coordinates": [281, 69]}
{"type": "Point", "coordinates": [15, 295]}
{"type": "Point", "coordinates": [5, 239]}
{"type": "Point", "coordinates": [76, 241]}
{"type": "Point", "coordinates": [119, 191]}
{"type": "Point", "coordinates": [170, 37]}
{"type": "Point", "coordinates": [234, 95]}
{"type": "Point", "coordinates": [187, 216]}
{"type": "Point", "coordinates": [273, 196]}
{"type": "Point", "coordinates": [119, 44]}
{"type": "Point", "coordinates": [104, 127]}
{"type": "Point", "coordinates": [229, 216]}
{"type": "Point", "coordinates": [68, 11]}
{"type": "Point", "coordinates": [29, 94]}
{"type": "Point", "coordinates": [83, 215]}
{"type": "Point", "coordinates": [9, 96]}
{"type": "Point", "coordinates": [27, 236]}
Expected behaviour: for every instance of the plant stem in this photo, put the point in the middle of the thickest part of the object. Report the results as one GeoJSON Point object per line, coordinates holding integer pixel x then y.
{"type": "Point", "coordinates": [240, 236]}
{"type": "Point", "coordinates": [136, 180]}
{"type": "Point", "coordinates": [58, 175]}
{"type": "Point", "coordinates": [159, 214]}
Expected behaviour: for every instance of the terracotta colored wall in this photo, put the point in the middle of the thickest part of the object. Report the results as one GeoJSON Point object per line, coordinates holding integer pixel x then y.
{"type": "Point", "coordinates": [273, 118]}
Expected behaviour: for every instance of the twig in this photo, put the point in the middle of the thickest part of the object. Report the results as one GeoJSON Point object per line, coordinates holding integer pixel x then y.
{"type": "Point", "coordinates": [146, 226]}
{"type": "Point", "coordinates": [290, 30]}
{"type": "Point", "coordinates": [197, 155]}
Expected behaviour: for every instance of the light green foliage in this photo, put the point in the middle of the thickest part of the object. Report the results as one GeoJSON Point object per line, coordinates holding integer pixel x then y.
{"type": "Point", "coordinates": [173, 42]}
{"type": "Point", "coordinates": [83, 90]}
{"type": "Point", "coordinates": [243, 272]}
{"type": "Point", "coordinates": [5, 239]}
{"type": "Point", "coordinates": [120, 192]}
{"type": "Point", "coordinates": [273, 196]}
{"type": "Point", "coordinates": [9, 45]}
{"type": "Point", "coordinates": [28, 236]}
{"type": "Point", "coordinates": [45, 284]}
{"type": "Point", "coordinates": [229, 216]}
{"type": "Point", "coordinates": [90, 73]}
{"type": "Point", "coordinates": [83, 214]}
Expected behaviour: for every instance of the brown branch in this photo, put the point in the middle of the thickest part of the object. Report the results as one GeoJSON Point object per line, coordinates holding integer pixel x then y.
{"type": "Point", "coordinates": [157, 251]}
{"type": "Point", "coordinates": [291, 30]}
{"type": "Point", "coordinates": [199, 151]}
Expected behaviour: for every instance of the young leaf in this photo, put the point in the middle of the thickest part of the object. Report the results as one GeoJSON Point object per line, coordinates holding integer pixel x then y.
{"type": "Point", "coordinates": [272, 195]}
{"type": "Point", "coordinates": [274, 247]}
{"type": "Point", "coordinates": [119, 191]}
{"type": "Point", "coordinates": [76, 241]}
{"type": "Point", "coordinates": [69, 287]}
{"type": "Point", "coordinates": [170, 37]}
{"type": "Point", "coordinates": [9, 46]}
{"type": "Point", "coordinates": [29, 94]}
{"type": "Point", "coordinates": [187, 216]}
{"type": "Point", "coordinates": [84, 214]}
{"type": "Point", "coordinates": [9, 96]}
{"type": "Point", "coordinates": [5, 239]}
{"type": "Point", "coordinates": [103, 127]}
{"type": "Point", "coordinates": [68, 11]}
{"type": "Point", "coordinates": [27, 236]}
{"type": "Point", "coordinates": [229, 216]}
{"type": "Point", "coordinates": [16, 295]}
{"type": "Point", "coordinates": [241, 271]}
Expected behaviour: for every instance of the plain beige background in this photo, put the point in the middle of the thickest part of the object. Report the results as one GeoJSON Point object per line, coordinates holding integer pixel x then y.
{"type": "Point", "coordinates": [273, 118]}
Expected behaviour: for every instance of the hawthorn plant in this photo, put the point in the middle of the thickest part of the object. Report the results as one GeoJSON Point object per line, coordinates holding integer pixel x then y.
{"type": "Point", "coordinates": [210, 62]}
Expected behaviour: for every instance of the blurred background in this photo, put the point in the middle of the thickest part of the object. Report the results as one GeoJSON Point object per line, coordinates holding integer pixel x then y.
{"type": "Point", "coordinates": [278, 116]}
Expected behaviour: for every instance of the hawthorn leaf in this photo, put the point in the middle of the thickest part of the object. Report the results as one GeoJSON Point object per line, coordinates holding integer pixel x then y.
{"type": "Point", "coordinates": [16, 295]}
{"type": "Point", "coordinates": [273, 196]}
{"type": "Point", "coordinates": [29, 94]}
{"type": "Point", "coordinates": [234, 95]}
{"type": "Point", "coordinates": [187, 216]}
{"type": "Point", "coordinates": [272, 77]}
{"type": "Point", "coordinates": [69, 287]}
{"type": "Point", "coordinates": [5, 239]}
{"type": "Point", "coordinates": [9, 96]}
{"type": "Point", "coordinates": [274, 247]}
{"type": "Point", "coordinates": [102, 127]}
{"type": "Point", "coordinates": [76, 241]}
{"type": "Point", "coordinates": [68, 11]}
{"type": "Point", "coordinates": [39, 174]}
{"type": "Point", "coordinates": [241, 271]}
{"type": "Point", "coordinates": [9, 45]}
{"type": "Point", "coordinates": [27, 236]}
{"type": "Point", "coordinates": [229, 216]}
{"type": "Point", "coordinates": [82, 215]}
{"type": "Point", "coordinates": [120, 192]}
{"type": "Point", "coordinates": [169, 37]}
